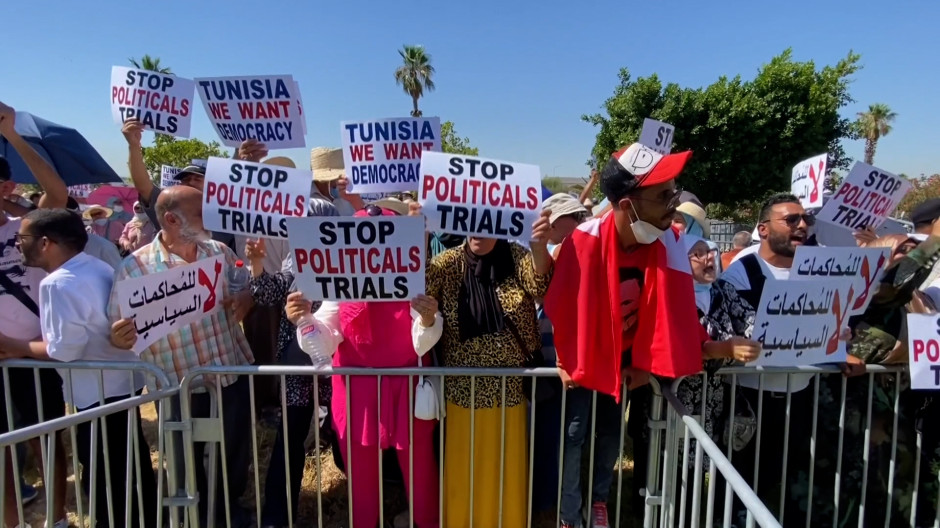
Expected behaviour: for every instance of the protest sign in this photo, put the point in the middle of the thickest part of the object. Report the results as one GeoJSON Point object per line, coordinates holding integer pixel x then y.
{"type": "Point", "coordinates": [467, 195]}
{"type": "Point", "coordinates": [81, 191]}
{"type": "Point", "coordinates": [923, 339]}
{"type": "Point", "coordinates": [864, 266]}
{"type": "Point", "coordinates": [262, 108]}
{"type": "Point", "coordinates": [252, 199]}
{"type": "Point", "coordinates": [162, 103]}
{"type": "Point", "coordinates": [376, 258]}
{"type": "Point", "coordinates": [799, 322]}
{"type": "Point", "coordinates": [866, 198]}
{"type": "Point", "coordinates": [300, 108]}
{"type": "Point", "coordinates": [168, 176]}
{"type": "Point", "coordinates": [165, 302]}
{"type": "Point", "coordinates": [657, 136]}
{"type": "Point", "coordinates": [384, 155]}
{"type": "Point", "coordinates": [808, 180]}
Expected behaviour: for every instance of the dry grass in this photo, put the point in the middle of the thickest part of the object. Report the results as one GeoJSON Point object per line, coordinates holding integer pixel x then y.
{"type": "Point", "coordinates": [332, 483]}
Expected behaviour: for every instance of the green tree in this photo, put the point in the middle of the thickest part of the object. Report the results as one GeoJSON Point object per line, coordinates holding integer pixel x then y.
{"type": "Point", "coordinates": [872, 125]}
{"type": "Point", "coordinates": [746, 135]}
{"type": "Point", "coordinates": [167, 150]}
{"type": "Point", "coordinates": [149, 63]}
{"type": "Point", "coordinates": [553, 184]}
{"type": "Point", "coordinates": [414, 75]}
{"type": "Point", "coordinates": [922, 188]}
{"type": "Point", "coordinates": [454, 144]}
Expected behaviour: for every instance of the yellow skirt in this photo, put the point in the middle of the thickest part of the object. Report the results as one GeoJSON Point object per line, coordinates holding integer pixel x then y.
{"type": "Point", "coordinates": [485, 508]}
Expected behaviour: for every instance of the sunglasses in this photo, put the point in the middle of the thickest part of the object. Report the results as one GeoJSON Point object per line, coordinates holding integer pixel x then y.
{"type": "Point", "coordinates": [374, 210]}
{"type": "Point", "coordinates": [793, 220]}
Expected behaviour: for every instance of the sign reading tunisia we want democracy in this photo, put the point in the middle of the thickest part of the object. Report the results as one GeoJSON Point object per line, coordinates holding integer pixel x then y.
{"type": "Point", "coordinates": [264, 108]}
{"type": "Point", "coordinates": [467, 195]}
{"type": "Point", "coordinates": [376, 258]}
{"type": "Point", "coordinates": [162, 103]}
{"type": "Point", "coordinates": [384, 155]}
{"type": "Point", "coordinates": [252, 199]}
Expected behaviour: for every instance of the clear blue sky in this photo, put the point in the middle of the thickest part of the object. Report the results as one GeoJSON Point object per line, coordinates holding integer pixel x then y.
{"type": "Point", "coordinates": [514, 77]}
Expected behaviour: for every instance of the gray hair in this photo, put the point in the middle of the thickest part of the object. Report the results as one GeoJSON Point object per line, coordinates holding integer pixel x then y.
{"type": "Point", "coordinates": [742, 239]}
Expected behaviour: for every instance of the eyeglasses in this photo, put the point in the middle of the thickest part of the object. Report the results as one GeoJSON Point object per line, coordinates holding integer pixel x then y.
{"type": "Point", "coordinates": [793, 220]}
{"type": "Point", "coordinates": [670, 201]}
{"type": "Point", "coordinates": [701, 255]}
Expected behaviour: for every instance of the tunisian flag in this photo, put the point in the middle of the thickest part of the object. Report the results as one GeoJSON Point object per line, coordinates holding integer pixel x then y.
{"type": "Point", "coordinates": [583, 304]}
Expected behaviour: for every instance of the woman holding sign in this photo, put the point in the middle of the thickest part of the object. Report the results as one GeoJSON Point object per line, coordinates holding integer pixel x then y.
{"type": "Point", "coordinates": [487, 289]}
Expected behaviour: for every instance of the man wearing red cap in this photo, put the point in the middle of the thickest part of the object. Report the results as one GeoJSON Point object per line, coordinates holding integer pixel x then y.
{"type": "Point", "coordinates": [622, 304]}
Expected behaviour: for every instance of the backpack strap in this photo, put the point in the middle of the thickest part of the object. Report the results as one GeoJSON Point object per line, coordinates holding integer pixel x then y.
{"type": "Point", "coordinates": [756, 279]}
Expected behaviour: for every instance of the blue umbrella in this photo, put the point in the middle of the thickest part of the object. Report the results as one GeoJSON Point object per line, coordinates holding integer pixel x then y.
{"type": "Point", "coordinates": [546, 193]}
{"type": "Point", "coordinates": [76, 161]}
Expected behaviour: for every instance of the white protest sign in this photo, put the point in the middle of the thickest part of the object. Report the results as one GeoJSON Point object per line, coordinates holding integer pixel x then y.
{"type": "Point", "coordinates": [864, 266]}
{"type": "Point", "coordinates": [657, 136]}
{"type": "Point", "coordinates": [262, 108]}
{"type": "Point", "coordinates": [300, 108]}
{"type": "Point", "coordinates": [168, 176]}
{"type": "Point", "coordinates": [866, 198]}
{"type": "Point", "coordinates": [81, 191]}
{"type": "Point", "coordinates": [165, 302]}
{"type": "Point", "coordinates": [253, 199]}
{"type": "Point", "coordinates": [807, 182]}
{"type": "Point", "coordinates": [384, 155]}
{"type": "Point", "coordinates": [467, 195]}
{"type": "Point", "coordinates": [376, 258]}
{"type": "Point", "coordinates": [923, 337]}
{"type": "Point", "coordinates": [799, 321]}
{"type": "Point", "coordinates": [162, 103]}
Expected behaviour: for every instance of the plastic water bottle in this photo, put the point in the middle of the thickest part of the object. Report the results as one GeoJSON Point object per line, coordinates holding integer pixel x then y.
{"type": "Point", "coordinates": [311, 343]}
{"type": "Point", "coordinates": [238, 277]}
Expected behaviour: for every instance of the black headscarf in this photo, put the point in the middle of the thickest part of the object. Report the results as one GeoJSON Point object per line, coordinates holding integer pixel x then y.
{"type": "Point", "coordinates": [479, 311]}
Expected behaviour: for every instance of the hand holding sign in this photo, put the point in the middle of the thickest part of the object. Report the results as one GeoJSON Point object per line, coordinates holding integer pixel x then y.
{"type": "Point", "coordinates": [124, 333]}
{"type": "Point", "coordinates": [252, 150]}
{"type": "Point", "coordinates": [540, 231]}
{"type": "Point", "coordinates": [132, 130]}
{"type": "Point", "coordinates": [426, 308]}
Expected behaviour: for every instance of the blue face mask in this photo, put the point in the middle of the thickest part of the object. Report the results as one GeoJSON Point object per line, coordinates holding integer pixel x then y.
{"type": "Point", "coordinates": [334, 192]}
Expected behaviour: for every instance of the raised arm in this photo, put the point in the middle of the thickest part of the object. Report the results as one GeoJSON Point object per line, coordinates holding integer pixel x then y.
{"type": "Point", "coordinates": [56, 193]}
{"type": "Point", "coordinates": [133, 131]}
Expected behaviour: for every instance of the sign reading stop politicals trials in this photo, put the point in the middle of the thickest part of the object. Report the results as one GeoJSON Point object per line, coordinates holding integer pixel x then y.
{"type": "Point", "coordinates": [384, 155]}
{"type": "Point", "coordinates": [657, 136]}
{"type": "Point", "coordinates": [865, 199]}
{"type": "Point", "coordinates": [252, 199]}
{"type": "Point", "coordinates": [923, 346]}
{"type": "Point", "coordinates": [864, 266]}
{"type": "Point", "coordinates": [376, 258]}
{"type": "Point", "coordinates": [162, 103]}
{"type": "Point", "coordinates": [467, 195]}
{"type": "Point", "coordinates": [264, 108]}
{"type": "Point", "coordinates": [808, 180]}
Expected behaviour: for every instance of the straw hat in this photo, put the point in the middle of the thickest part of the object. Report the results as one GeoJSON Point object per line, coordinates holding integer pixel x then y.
{"type": "Point", "coordinates": [696, 212]}
{"type": "Point", "coordinates": [280, 161]}
{"type": "Point", "coordinates": [94, 209]}
{"type": "Point", "coordinates": [393, 204]}
{"type": "Point", "coordinates": [326, 164]}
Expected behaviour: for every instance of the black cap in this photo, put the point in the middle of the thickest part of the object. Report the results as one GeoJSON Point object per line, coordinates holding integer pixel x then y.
{"type": "Point", "coordinates": [926, 212]}
{"type": "Point", "coordinates": [5, 172]}
{"type": "Point", "coordinates": [192, 169]}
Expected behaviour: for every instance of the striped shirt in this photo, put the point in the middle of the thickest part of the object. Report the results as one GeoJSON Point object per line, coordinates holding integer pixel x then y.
{"type": "Point", "coordinates": [216, 340]}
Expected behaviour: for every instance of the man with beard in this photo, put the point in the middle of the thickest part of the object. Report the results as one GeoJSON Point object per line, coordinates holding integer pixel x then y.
{"type": "Point", "coordinates": [215, 340]}
{"type": "Point", "coordinates": [783, 226]}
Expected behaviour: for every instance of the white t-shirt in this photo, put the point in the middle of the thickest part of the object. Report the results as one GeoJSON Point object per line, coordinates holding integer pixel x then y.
{"type": "Point", "coordinates": [753, 248]}
{"type": "Point", "coordinates": [736, 275]}
{"type": "Point", "coordinates": [16, 320]}
{"type": "Point", "coordinates": [73, 303]}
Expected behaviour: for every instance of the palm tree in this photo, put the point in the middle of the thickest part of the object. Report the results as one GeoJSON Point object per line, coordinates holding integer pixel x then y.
{"type": "Point", "coordinates": [414, 75]}
{"type": "Point", "coordinates": [149, 63]}
{"type": "Point", "coordinates": [872, 125]}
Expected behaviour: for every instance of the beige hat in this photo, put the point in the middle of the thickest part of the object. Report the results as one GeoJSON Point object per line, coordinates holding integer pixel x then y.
{"type": "Point", "coordinates": [393, 204]}
{"type": "Point", "coordinates": [562, 204]}
{"type": "Point", "coordinates": [326, 164]}
{"type": "Point", "coordinates": [692, 209]}
{"type": "Point", "coordinates": [280, 161]}
{"type": "Point", "coordinates": [96, 208]}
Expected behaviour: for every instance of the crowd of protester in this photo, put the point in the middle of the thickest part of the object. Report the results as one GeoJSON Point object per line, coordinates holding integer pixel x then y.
{"type": "Point", "coordinates": [637, 290]}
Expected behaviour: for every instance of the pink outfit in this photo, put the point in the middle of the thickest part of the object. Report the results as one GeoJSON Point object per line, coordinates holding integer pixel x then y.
{"type": "Point", "coordinates": [378, 334]}
{"type": "Point", "coordinates": [136, 235]}
{"type": "Point", "coordinates": [111, 230]}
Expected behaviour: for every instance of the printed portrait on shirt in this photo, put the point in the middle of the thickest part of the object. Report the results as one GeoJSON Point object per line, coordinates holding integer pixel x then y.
{"type": "Point", "coordinates": [631, 286]}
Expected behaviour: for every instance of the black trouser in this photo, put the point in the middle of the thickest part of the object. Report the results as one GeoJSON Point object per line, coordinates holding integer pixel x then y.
{"type": "Point", "coordinates": [275, 492]}
{"type": "Point", "coordinates": [119, 445]}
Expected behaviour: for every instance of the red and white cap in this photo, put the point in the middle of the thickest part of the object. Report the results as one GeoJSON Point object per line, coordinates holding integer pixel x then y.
{"type": "Point", "coordinates": [650, 167]}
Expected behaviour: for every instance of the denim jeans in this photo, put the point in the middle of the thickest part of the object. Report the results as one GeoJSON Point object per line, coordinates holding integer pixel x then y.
{"type": "Point", "coordinates": [607, 441]}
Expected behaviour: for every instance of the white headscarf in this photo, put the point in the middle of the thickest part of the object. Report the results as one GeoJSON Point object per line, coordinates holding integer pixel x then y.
{"type": "Point", "coordinates": [703, 296]}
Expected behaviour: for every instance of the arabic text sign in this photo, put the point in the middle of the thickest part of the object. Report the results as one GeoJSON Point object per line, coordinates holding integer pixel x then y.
{"type": "Point", "coordinates": [866, 197]}
{"type": "Point", "coordinates": [264, 108]}
{"type": "Point", "coordinates": [253, 199]}
{"type": "Point", "coordinates": [377, 258]}
{"type": "Point", "coordinates": [162, 103]}
{"type": "Point", "coordinates": [657, 136]}
{"type": "Point", "coordinates": [384, 155]}
{"type": "Point", "coordinates": [168, 176]}
{"type": "Point", "coordinates": [165, 302]}
{"type": "Point", "coordinates": [808, 181]}
{"type": "Point", "coordinates": [799, 322]}
{"type": "Point", "coordinates": [862, 265]}
{"type": "Point", "coordinates": [924, 349]}
{"type": "Point", "coordinates": [467, 195]}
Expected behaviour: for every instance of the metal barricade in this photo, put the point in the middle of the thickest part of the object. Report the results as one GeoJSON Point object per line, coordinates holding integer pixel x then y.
{"type": "Point", "coordinates": [93, 421]}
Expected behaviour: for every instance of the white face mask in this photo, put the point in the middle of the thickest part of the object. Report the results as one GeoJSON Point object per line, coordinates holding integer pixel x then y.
{"type": "Point", "coordinates": [101, 221]}
{"type": "Point", "coordinates": [118, 208]}
{"type": "Point", "coordinates": [141, 217]}
{"type": "Point", "coordinates": [643, 231]}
